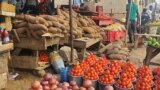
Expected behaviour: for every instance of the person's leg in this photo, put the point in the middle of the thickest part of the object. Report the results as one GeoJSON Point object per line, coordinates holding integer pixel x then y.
{"type": "Point", "coordinates": [133, 28]}
{"type": "Point", "coordinates": [130, 33]}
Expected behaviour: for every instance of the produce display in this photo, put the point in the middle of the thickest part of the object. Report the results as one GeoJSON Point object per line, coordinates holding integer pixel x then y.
{"type": "Point", "coordinates": [91, 74]}
{"type": "Point", "coordinates": [124, 82]}
{"type": "Point", "coordinates": [43, 57]}
{"type": "Point", "coordinates": [36, 26]}
{"type": "Point", "coordinates": [115, 68]}
{"type": "Point", "coordinates": [107, 78]}
{"type": "Point", "coordinates": [115, 27]}
{"type": "Point", "coordinates": [77, 71]}
{"type": "Point", "coordinates": [153, 42]}
{"type": "Point", "coordinates": [49, 83]}
{"type": "Point", "coordinates": [154, 23]}
{"type": "Point", "coordinates": [117, 74]}
{"type": "Point", "coordinates": [145, 78]}
{"type": "Point", "coordinates": [117, 51]}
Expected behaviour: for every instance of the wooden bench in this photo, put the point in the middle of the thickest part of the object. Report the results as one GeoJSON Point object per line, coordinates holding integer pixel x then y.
{"type": "Point", "coordinates": [139, 37]}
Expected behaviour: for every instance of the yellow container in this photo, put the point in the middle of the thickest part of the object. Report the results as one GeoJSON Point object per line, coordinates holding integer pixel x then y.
{"type": "Point", "coordinates": [7, 9]}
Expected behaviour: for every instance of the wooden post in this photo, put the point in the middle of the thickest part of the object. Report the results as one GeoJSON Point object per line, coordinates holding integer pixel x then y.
{"type": "Point", "coordinates": [71, 28]}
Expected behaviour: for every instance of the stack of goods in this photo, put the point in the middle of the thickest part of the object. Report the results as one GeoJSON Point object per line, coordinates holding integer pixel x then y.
{"type": "Point", "coordinates": [153, 42]}
{"type": "Point", "coordinates": [145, 79]}
{"type": "Point", "coordinates": [117, 51]}
{"type": "Point", "coordinates": [154, 23]}
{"type": "Point", "coordinates": [36, 26]}
{"type": "Point", "coordinates": [124, 76]}
{"type": "Point", "coordinates": [115, 27]}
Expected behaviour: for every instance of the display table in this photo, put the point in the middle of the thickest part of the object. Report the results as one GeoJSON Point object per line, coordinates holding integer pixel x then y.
{"type": "Point", "coordinates": [84, 43]}
{"type": "Point", "coordinates": [151, 52]}
{"type": "Point", "coordinates": [139, 37]}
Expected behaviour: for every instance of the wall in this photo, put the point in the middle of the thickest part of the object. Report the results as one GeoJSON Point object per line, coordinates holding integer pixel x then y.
{"type": "Point", "coordinates": [117, 7]}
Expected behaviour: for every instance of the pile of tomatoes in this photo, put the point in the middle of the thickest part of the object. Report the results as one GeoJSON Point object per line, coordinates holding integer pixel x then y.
{"type": "Point", "coordinates": [115, 68]}
{"type": "Point", "coordinates": [43, 57]}
{"type": "Point", "coordinates": [91, 74]}
{"type": "Point", "coordinates": [91, 59]}
{"type": "Point", "coordinates": [124, 81]}
{"type": "Point", "coordinates": [106, 78]}
{"type": "Point", "coordinates": [103, 62]}
{"type": "Point", "coordinates": [145, 78]}
{"type": "Point", "coordinates": [156, 72]}
{"type": "Point", "coordinates": [84, 65]}
{"type": "Point", "coordinates": [98, 68]}
{"type": "Point", "coordinates": [76, 71]}
{"type": "Point", "coordinates": [130, 69]}
{"type": "Point", "coordinates": [157, 84]}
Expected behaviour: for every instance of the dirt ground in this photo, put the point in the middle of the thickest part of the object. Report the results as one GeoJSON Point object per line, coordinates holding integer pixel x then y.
{"type": "Point", "coordinates": [24, 80]}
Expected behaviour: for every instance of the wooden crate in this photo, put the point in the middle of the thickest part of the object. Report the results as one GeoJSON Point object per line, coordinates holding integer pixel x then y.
{"type": "Point", "coordinates": [7, 9]}
{"type": "Point", "coordinates": [3, 80]}
{"type": "Point", "coordinates": [27, 62]}
{"type": "Point", "coordinates": [34, 44]}
{"type": "Point", "coordinates": [4, 62]}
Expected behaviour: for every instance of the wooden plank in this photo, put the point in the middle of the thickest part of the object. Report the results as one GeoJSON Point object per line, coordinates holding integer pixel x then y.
{"type": "Point", "coordinates": [3, 80]}
{"type": "Point", "coordinates": [102, 50]}
{"type": "Point", "coordinates": [4, 62]}
{"type": "Point", "coordinates": [24, 62]}
{"type": "Point", "coordinates": [153, 35]}
{"type": "Point", "coordinates": [6, 47]}
{"type": "Point", "coordinates": [17, 37]}
{"type": "Point", "coordinates": [85, 42]}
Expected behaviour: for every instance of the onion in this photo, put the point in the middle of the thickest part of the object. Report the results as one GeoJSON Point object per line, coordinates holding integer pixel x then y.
{"type": "Point", "coordinates": [48, 77]}
{"type": "Point", "coordinates": [46, 87]}
{"type": "Point", "coordinates": [30, 89]}
{"type": "Point", "coordinates": [64, 88]}
{"type": "Point", "coordinates": [108, 88]}
{"type": "Point", "coordinates": [75, 87]}
{"type": "Point", "coordinates": [53, 87]}
{"type": "Point", "coordinates": [82, 88]}
{"type": "Point", "coordinates": [52, 81]}
{"type": "Point", "coordinates": [60, 85]}
{"type": "Point", "coordinates": [73, 83]}
{"type": "Point", "coordinates": [66, 84]}
{"type": "Point", "coordinates": [35, 85]}
{"type": "Point", "coordinates": [58, 89]}
{"type": "Point", "coordinates": [44, 83]}
{"type": "Point", "coordinates": [87, 83]}
{"type": "Point", "coordinates": [91, 88]}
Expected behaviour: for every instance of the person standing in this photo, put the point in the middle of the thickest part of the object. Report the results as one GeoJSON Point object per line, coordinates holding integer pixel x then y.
{"type": "Point", "coordinates": [132, 19]}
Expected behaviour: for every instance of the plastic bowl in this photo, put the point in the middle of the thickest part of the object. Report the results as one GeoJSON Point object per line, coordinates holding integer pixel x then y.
{"type": "Point", "coordinates": [118, 88]}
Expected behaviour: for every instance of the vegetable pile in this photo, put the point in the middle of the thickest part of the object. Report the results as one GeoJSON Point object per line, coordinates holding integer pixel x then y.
{"type": "Point", "coordinates": [49, 83]}
{"type": "Point", "coordinates": [36, 26]}
{"type": "Point", "coordinates": [115, 27]}
{"type": "Point", "coordinates": [153, 42]}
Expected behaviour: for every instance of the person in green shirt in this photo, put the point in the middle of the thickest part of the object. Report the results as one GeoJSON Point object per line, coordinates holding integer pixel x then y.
{"type": "Point", "coordinates": [132, 19]}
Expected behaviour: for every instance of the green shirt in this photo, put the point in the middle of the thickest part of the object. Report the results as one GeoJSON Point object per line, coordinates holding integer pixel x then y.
{"type": "Point", "coordinates": [134, 10]}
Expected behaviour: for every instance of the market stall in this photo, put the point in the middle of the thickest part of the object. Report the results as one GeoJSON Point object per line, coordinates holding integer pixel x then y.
{"type": "Point", "coordinates": [6, 44]}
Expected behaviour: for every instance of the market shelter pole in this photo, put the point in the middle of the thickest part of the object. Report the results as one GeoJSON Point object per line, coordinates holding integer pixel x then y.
{"type": "Point", "coordinates": [71, 28]}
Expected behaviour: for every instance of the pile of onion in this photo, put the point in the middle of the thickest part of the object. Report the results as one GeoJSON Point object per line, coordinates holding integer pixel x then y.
{"type": "Point", "coordinates": [49, 83]}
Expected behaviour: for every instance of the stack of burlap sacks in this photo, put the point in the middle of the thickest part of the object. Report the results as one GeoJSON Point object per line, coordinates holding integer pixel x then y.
{"type": "Point", "coordinates": [117, 51]}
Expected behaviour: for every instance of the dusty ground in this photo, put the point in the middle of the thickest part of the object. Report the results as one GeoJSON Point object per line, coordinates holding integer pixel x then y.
{"type": "Point", "coordinates": [24, 80]}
